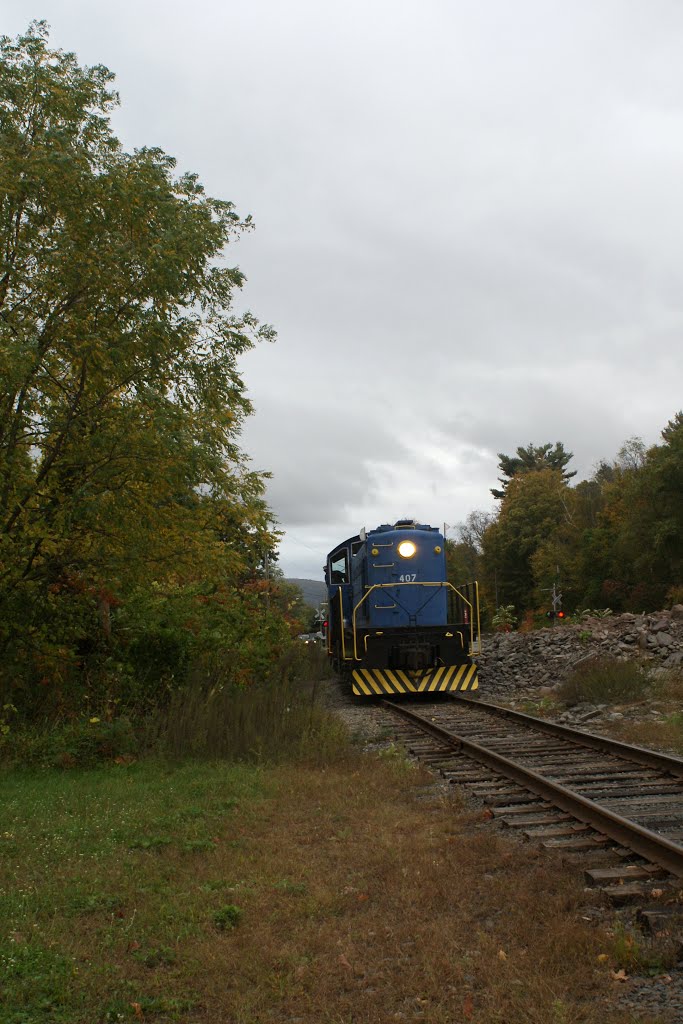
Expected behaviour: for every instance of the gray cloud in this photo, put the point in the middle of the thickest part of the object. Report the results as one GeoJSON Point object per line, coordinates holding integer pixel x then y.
{"type": "Point", "coordinates": [469, 228]}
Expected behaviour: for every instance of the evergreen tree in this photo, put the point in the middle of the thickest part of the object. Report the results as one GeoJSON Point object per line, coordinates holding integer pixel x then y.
{"type": "Point", "coordinates": [532, 459]}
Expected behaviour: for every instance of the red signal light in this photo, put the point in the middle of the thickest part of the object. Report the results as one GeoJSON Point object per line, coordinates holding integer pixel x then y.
{"type": "Point", "coordinates": [560, 615]}
{"type": "Point", "coordinates": [325, 624]}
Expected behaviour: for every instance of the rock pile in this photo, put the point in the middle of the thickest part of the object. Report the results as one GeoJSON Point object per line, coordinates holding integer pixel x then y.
{"type": "Point", "coordinates": [544, 658]}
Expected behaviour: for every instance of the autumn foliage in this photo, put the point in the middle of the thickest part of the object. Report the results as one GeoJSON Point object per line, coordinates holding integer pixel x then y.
{"type": "Point", "coordinates": [612, 541]}
{"type": "Point", "coordinates": [132, 528]}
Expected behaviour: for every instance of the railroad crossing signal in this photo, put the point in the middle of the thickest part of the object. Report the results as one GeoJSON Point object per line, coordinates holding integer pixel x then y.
{"type": "Point", "coordinates": [556, 598]}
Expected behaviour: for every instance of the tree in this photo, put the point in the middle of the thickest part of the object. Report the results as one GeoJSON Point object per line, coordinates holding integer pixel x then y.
{"type": "Point", "coordinates": [532, 459]}
{"type": "Point", "coordinates": [650, 542]}
{"type": "Point", "coordinates": [472, 531]}
{"type": "Point", "coordinates": [120, 398]}
{"type": "Point", "coordinates": [632, 455]}
{"type": "Point", "coordinates": [533, 510]}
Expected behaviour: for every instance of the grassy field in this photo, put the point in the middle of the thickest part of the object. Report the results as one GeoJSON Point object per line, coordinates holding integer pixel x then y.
{"type": "Point", "coordinates": [210, 892]}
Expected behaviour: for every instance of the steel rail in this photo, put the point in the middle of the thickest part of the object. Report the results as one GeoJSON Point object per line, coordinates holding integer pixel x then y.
{"type": "Point", "coordinates": [639, 755]}
{"type": "Point", "coordinates": [643, 841]}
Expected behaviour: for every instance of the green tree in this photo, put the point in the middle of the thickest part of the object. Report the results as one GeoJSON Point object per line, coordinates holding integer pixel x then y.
{"type": "Point", "coordinates": [532, 459]}
{"type": "Point", "coordinates": [648, 508]}
{"type": "Point", "coordinates": [533, 510]}
{"type": "Point", "coordinates": [120, 397]}
{"type": "Point", "coordinates": [463, 555]}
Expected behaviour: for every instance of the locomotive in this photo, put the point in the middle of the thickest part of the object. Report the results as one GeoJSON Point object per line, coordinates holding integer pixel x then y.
{"type": "Point", "coordinates": [396, 625]}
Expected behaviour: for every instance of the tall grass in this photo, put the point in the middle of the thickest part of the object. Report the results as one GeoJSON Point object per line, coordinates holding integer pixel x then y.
{"type": "Point", "coordinates": [605, 681]}
{"type": "Point", "coordinates": [271, 722]}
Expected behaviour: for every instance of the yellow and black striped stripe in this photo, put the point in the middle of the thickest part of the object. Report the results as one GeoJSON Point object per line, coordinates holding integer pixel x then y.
{"type": "Point", "coordinates": [372, 682]}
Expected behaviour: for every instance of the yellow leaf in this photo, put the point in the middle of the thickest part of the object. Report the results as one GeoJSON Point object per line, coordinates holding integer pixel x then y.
{"type": "Point", "coordinates": [502, 955]}
{"type": "Point", "coordinates": [603, 958]}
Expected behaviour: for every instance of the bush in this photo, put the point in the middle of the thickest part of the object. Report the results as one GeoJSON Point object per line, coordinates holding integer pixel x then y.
{"type": "Point", "coordinates": [78, 744]}
{"type": "Point", "coordinates": [604, 681]}
{"type": "Point", "coordinates": [674, 595]}
{"type": "Point", "coordinates": [505, 619]}
{"type": "Point", "coordinates": [227, 917]}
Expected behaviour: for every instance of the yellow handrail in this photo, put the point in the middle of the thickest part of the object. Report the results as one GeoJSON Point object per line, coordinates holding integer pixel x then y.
{"type": "Point", "coordinates": [440, 583]}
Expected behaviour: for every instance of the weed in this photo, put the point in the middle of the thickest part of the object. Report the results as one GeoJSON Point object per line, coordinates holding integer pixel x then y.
{"type": "Point", "coordinates": [604, 681]}
{"type": "Point", "coordinates": [634, 953]}
{"type": "Point", "coordinates": [291, 888]}
{"type": "Point", "coordinates": [198, 845]}
{"type": "Point", "coordinates": [561, 1012]}
{"type": "Point", "coordinates": [121, 1010]}
{"type": "Point", "coordinates": [95, 903]}
{"type": "Point", "coordinates": [153, 958]}
{"type": "Point", "coordinates": [541, 707]}
{"type": "Point", "coordinates": [267, 723]}
{"type": "Point", "coordinates": [150, 843]}
{"type": "Point", "coordinates": [227, 917]}
{"type": "Point", "coordinates": [669, 685]}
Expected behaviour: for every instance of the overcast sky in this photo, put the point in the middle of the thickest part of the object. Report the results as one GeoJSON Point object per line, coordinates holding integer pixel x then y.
{"type": "Point", "coordinates": [469, 228]}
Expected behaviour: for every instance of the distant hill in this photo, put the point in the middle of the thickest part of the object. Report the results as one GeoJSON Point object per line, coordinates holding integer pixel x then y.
{"type": "Point", "coordinates": [314, 591]}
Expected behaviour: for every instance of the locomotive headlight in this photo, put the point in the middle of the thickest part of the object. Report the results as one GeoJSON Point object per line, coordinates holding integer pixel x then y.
{"type": "Point", "coordinates": [406, 549]}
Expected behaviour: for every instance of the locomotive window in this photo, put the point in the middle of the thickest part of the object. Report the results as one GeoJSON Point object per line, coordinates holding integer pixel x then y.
{"type": "Point", "coordinates": [339, 567]}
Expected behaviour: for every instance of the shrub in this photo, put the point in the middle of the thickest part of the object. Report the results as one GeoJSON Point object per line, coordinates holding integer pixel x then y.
{"type": "Point", "coordinates": [604, 681]}
{"type": "Point", "coordinates": [593, 613]}
{"type": "Point", "coordinates": [78, 744]}
{"type": "Point", "coordinates": [505, 619]}
{"type": "Point", "coordinates": [674, 595]}
{"type": "Point", "coordinates": [227, 917]}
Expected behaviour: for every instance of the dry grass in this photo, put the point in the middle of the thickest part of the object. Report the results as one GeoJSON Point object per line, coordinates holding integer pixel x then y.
{"type": "Point", "coordinates": [665, 735]}
{"type": "Point", "coordinates": [348, 895]}
{"type": "Point", "coordinates": [281, 719]}
{"type": "Point", "coordinates": [669, 685]}
{"type": "Point", "coordinates": [666, 697]}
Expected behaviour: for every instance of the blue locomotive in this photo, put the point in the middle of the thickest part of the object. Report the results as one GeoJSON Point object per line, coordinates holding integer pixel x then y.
{"type": "Point", "coordinates": [395, 623]}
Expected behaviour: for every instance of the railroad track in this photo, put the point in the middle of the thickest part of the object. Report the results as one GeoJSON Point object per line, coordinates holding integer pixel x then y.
{"type": "Point", "coordinates": [572, 790]}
